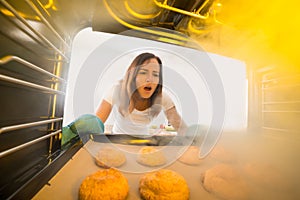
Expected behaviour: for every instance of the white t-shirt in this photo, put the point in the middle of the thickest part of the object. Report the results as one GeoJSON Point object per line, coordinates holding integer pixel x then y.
{"type": "Point", "coordinates": [137, 122]}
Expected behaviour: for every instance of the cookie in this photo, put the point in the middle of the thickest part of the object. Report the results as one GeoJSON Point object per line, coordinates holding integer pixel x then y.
{"type": "Point", "coordinates": [110, 157]}
{"type": "Point", "coordinates": [150, 156]}
{"type": "Point", "coordinates": [107, 184]}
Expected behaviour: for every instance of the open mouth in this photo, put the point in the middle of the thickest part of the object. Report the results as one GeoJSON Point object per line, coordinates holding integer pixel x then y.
{"type": "Point", "coordinates": [147, 88]}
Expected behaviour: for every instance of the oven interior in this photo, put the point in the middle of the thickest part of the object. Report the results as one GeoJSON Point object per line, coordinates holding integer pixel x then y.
{"type": "Point", "coordinates": [36, 43]}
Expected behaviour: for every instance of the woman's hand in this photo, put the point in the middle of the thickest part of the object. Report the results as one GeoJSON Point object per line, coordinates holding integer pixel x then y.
{"type": "Point", "coordinates": [83, 126]}
{"type": "Point", "coordinates": [176, 121]}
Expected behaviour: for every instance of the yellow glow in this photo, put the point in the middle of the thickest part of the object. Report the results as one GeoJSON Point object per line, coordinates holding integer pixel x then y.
{"type": "Point", "coordinates": [140, 16]}
{"type": "Point", "coordinates": [202, 6]}
{"type": "Point", "coordinates": [169, 40]}
{"type": "Point", "coordinates": [49, 4]}
{"type": "Point", "coordinates": [10, 14]}
{"type": "Point", "coordinates": [139, 141]}
{"type": "Point", "coordinates": [155, 32]}
{"type": "Point", "coordinates": [192, 14]}
{"type": "Point", "coordinates": [259, 32]}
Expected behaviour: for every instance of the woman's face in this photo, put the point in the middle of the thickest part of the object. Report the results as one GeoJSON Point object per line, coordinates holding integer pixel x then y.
{"type": "Point", "coordinates": [147, 78]}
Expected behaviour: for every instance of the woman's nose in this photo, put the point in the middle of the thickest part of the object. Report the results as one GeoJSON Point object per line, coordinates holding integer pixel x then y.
{"type": "Point", "coordinates": [149, 78]}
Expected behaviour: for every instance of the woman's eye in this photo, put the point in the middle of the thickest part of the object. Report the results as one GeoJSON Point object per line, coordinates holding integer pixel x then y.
{"type": "Point", "coordinates": [142, 72]}
{"type": "Point", "coordinates": [156, 75]}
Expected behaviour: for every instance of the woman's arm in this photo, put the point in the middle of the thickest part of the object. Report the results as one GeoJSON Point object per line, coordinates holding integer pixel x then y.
{"type": "Point", "coordinates": [176, 121]}
{"type": "Point", "coordinates": [103, 110]}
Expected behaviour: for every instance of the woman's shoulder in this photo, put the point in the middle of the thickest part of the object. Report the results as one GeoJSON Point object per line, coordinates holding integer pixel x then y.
{"type": "Point", "coordinates": [117, 84]}
{"type": "Point", "coordinates": [112, 93]}
{"type": "Point", "coordinates": [116, 87]}
{"type": "Point", "coordinates": [165, 95]}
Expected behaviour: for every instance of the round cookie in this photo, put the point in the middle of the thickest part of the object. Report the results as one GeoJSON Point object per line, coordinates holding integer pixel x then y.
{"type": "Point", "coordinates": [150, 156]}
{"type": "Point", "coordinates": [226, 183]}
{"type": "Point", "coordinates": [163, 185]}
{"type": "Point", "coordinates": [191, 156]}
{"type": "Point", "coordinates": [110, 157]}
{"type": "Point", "coordinates": [107, 184]}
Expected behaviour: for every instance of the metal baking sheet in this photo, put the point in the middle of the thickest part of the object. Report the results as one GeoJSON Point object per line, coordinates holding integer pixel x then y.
{"type": "Point", "coordinates": [237, 151]}
{"type": "Point", "coordinates": [65, 184]}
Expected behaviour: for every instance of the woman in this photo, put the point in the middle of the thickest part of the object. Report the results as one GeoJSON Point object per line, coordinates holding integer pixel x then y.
{"type": "Point", "coordinates": [139, 98]}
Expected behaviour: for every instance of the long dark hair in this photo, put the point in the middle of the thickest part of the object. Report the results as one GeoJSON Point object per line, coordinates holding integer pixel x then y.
{"type": "Point", "coordinates": [128, 87]}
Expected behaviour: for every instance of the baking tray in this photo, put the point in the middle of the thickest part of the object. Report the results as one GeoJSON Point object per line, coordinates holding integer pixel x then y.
{"type": "Point", "coordinates": [65, 184]}
{"type": "Point", "coordinates": [234, 150]}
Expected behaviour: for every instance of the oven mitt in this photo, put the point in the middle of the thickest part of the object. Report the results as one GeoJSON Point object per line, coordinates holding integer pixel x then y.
{"type": "Point", "coordinates": [83, 126]}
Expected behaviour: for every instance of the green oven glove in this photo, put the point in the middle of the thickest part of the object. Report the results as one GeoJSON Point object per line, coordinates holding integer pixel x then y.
{"type": "Point", "coordinates": [83, 126]}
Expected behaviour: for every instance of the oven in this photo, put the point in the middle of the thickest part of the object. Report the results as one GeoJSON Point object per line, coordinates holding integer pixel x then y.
{"type": "Point", "coordinates": [37, 40]}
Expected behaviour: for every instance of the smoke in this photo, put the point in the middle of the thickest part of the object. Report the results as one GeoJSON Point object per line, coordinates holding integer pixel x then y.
{"type": "Point", "coordinates": [258, 32]}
